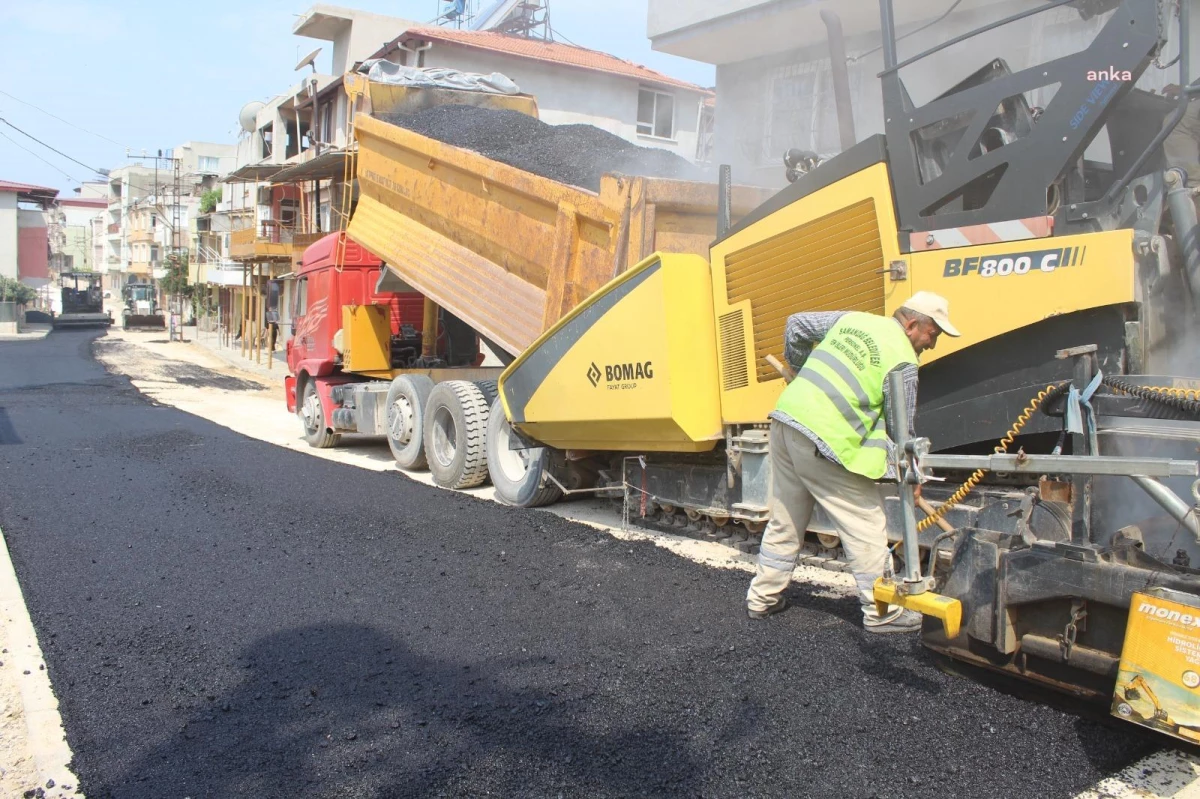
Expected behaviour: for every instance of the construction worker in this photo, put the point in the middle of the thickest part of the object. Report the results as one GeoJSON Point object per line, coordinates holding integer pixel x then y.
{"type": "Point", "coordinates": [829, 443]}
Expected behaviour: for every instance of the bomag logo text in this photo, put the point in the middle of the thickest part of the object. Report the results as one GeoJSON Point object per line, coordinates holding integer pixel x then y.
{"type": "Point", "coordinates": [617, 372]}
{"type": "Point", "coordinates": [621, 375]}
{"type": "Point", "coordinates": [1166, 614]}
{"type": "Point", "coordinates": [1017, 263]}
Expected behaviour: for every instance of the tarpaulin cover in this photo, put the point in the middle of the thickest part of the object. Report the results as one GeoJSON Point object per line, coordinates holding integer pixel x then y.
{"type": "Point", "coordinates": [381, 71]}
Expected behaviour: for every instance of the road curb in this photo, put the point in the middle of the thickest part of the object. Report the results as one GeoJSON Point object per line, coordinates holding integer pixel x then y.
{"type": "Point", "coordinates": [47, 739]}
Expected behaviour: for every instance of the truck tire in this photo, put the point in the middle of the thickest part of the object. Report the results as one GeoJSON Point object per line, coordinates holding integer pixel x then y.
{"type": "Point", "coordinates": [517, 474]}
{"type": "Point", "coordinates": [456, 420]}
{"type": "Point", "coordinates": [312, 416]}
{"type": "Point", "coordinates": [488, 389]}
{"type": "Point", "coordinates": [407, 399]}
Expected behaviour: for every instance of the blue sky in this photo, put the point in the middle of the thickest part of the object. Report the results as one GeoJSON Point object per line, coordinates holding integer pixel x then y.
{"type": "Point", "coordinates": [151, 75]}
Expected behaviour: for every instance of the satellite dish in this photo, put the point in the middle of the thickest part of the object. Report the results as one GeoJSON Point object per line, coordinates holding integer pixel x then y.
{"type": "Point", "coordinates": [309, 60]}
{"type": "Point", "coordinates": [248, 116]}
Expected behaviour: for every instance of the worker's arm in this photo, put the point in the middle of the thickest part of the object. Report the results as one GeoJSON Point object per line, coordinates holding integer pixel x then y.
{"type": "Point", "coordinates": [803, 332]}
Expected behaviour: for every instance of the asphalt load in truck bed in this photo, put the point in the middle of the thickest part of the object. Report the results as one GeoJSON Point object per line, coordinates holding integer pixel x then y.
{"type": "Point", "coordinates": [225, 618]}
{"type": "Point", "coordinates": [573, 154]}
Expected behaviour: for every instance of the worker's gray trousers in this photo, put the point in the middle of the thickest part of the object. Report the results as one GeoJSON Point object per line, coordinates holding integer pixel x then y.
{"type": "Point", "coordinates": [800, 477]}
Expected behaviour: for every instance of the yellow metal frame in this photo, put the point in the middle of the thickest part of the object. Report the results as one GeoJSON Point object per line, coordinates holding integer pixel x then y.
{"type": "Point", "coordinates": [366, 339]}
{"type": "Point", "coordinates": [386, 98]}
{"type": "Point", "coordinates": [660, 319]}
{"type": "Point", "coordinates": [1063, 274]}
{"type": "Point", "coordinates": [752, 404]}
{"type": "Point", "coordinates": [949, 611]}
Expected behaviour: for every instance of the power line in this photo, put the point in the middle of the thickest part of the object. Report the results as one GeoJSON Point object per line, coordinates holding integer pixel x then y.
{"type": "Point", "coordinates": [60, 119]}
{"type": "Point", "coordinates": [48, 147]}
{"type": "Point", "coordinates": [38, 157]}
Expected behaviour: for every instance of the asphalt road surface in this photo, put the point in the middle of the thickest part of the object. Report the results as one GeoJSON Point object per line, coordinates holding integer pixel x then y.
{"type": "Point", "coordinates": [225, 618]}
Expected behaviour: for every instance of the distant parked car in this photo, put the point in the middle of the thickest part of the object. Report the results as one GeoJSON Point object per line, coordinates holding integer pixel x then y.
{"type": "Point", "coordinates": [108, 295]}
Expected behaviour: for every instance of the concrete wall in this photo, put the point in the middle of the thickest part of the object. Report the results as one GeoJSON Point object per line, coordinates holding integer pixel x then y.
{"type": "Point", "coordinates": [8, 235]}
{"type": "Point", "coordinates": [353, 34]}
{"type": "Point", "coordinates": [668, 16]}
{"type": "Point", "coordinates": [33, 251]}
{"type": "Point", "coordinates": [77, 236]}
{"type": "Point", "coordinates": [93, 189]}
{"type": "Point", "coordinates": [568, 95]}
{"type": "Point", "coordinates": [190, 153]}
{"type": "Point", "coordinates": [748, 127]}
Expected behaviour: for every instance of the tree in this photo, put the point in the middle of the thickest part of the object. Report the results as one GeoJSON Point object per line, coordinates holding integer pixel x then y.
{"type": "Point", "coordinates": [175, 283]}
{"type": "Point", "coordinates": [209, 200]}
{"type": "Point", "coordinates": [15, 291]}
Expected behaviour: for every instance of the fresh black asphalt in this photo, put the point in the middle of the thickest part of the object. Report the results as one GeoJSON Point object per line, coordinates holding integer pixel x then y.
{"type": "Point", "coordinates": [226, 618]}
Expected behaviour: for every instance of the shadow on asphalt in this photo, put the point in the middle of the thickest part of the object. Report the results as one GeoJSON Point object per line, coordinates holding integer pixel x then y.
{"type": "Point", "coordinates": [396, 723]}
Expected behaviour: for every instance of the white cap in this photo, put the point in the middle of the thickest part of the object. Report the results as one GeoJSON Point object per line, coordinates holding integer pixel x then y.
{"type": "Point", "coordinates": [936, 307]}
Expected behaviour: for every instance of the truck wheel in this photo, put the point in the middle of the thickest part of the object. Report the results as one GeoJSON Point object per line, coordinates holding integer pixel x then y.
{"type": "Point", "coordinates": [488, 389]}
{"type": "Point", "coordinates": [312, 416]}
{"type": "Point", "coordinates": [456, 419]}
{"type": "Point", "coordinates": [517, 473]}
{"type": "Point", "coordinates": [407, 399]}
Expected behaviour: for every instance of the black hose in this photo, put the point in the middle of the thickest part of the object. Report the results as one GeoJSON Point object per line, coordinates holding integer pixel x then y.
{"type": "Point", "coordinates": [1142, 392]}
{"type": "Point", "coordinates": [933, 548]}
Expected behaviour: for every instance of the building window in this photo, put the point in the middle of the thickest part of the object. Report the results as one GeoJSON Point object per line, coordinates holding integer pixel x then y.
{"type": "Point", "coordinates": [325, 130]}
{"type": "Point", "coordinates": [287, 213]}
{"type": "Point", "coordinates": [268, 136]}
{"type": "Point", "coordinates": [656, 114]}
{"type": "Point", "coordinates": [208, 164]}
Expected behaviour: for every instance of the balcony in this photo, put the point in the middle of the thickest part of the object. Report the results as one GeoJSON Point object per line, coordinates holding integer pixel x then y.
{"type": "Point", "coordinates": [140, 236]}
{"type": "Point", "coordinates": [114, 229]}
{"type": "Point", "coordinates": [269, 241]}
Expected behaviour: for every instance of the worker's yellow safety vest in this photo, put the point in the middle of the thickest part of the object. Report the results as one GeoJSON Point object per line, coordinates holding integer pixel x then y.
{"type": "Point", "coordinates": [838, 395]}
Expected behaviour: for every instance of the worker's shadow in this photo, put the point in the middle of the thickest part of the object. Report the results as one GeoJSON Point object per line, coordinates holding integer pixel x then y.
{"type": "Point", "coordinates": [346, 710]}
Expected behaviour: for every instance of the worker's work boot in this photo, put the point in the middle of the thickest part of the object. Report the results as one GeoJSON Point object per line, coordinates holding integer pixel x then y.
{"type": "Point", "coordinates": [778, 606]}
{"type": "Point", "coordinates": [896, 620]}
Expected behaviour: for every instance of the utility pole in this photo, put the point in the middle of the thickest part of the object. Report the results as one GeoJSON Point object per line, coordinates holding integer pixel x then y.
{"type": "Point", "coordinates": [169, 161]}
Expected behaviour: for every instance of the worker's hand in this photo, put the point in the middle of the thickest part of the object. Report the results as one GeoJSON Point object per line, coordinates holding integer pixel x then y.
{"type": "Point", "coordinates": [917, 491]}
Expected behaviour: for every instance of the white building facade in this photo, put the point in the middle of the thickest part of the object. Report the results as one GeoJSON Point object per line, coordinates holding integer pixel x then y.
{"type": "Point", "coordinates": [775, 87]}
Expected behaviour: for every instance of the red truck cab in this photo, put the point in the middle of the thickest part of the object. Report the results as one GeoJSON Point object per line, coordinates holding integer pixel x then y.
{"type": "Point", "coordinates": [326, 281]}
{"type": "Point", "coordinates": [322, 289]}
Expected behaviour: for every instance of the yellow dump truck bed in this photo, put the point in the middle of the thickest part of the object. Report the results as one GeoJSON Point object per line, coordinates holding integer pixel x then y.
{"type": "Point", "coordinates": [508, 251]}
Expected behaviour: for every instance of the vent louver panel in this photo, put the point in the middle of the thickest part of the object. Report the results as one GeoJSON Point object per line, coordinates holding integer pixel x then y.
{"type": "Point", "coordinates": [828, 264]}
{"type": "Point", "coordinates": [731, 328]}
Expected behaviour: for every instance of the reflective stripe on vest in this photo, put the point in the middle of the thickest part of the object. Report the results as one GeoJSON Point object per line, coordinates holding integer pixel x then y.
{"type": "Point", "coordinates": [838, 395]}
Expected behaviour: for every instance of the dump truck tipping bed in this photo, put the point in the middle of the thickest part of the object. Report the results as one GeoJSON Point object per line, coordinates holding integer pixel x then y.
{"type": "Point", "coordinates": [508, 251]}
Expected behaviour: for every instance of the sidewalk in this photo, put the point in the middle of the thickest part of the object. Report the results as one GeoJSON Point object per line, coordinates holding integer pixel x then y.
{"type": "Point", "coordinates": [210, 342]}
{"type": "Point", "coordinates": [31, 332]}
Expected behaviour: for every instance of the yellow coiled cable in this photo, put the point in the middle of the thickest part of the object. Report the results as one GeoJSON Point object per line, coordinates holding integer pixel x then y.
{"type": "Point", "coordinates": [969, 484]}
{"type": "Point", "coordinates": [1190, 394]}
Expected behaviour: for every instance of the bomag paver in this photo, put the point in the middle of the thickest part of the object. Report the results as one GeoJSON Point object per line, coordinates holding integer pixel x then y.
{"type": "Point", "coordinates": [82, 301]}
